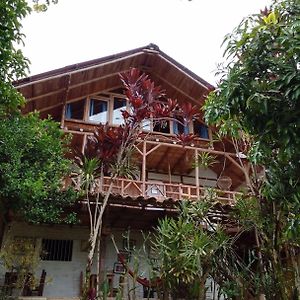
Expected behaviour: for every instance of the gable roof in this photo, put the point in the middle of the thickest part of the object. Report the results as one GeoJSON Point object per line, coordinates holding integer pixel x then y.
{"type": "Point", "coordinates": [50, 89]}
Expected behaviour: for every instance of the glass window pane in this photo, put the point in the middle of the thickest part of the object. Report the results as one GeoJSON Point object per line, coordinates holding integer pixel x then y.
{"type": "Point", "coordinates": [119, 105]}
{"type": "Point", "coordinates": [74, 110]}
{"type": "Point", "coordinates": [146, 125]}
{"type": "Point", "coordinates": [163, 127]}
{"type": "Point", "coordinates": [179, 127]}
{"type": "Point", "coordinates": [201, 130]}
{"type": "Point", "coordinates": [98, 111]}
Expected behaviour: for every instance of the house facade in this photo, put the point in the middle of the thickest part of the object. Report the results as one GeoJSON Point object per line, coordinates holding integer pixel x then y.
{"type": "Point", "coordinates": [83, 95]}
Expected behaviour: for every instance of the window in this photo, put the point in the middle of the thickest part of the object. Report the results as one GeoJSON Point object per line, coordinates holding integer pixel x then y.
{"type": "Point", "coordinates": [98, 111]}
{"type": "Point", "coordinates": [146, 125]}
{"type": "Point", "coordinates": [59, 250]}
{"type": "Point", "coordinates": [119, 105]}
{"type": "Point", "coordinates": [201, 130]}
{"type": "Point", "coordinates": [75, 110]}
{"type": "Point", "coordinates": [163, 127]}
{"type": "Point", "coordinates": [179, 127]}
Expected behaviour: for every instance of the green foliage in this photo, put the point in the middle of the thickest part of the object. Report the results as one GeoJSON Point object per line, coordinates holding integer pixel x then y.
{"type": "Point", "coordinates": [247, 211]}
{"type": "Point", "coordinates": [32, 162]}
{"type": "Point", "coordinates": [186, 249]}
{"type": "Point", "coordinates": [259, 97]}
{"type": "Point", "coordinates": [32, 165]}
{"type": "Point", "coordinates": [42, 6]}
{"type": "Point", "coordinates": [13, 64]}
{"type": "Point", "coordinates": [21, 255]}
{"type": "Point", "coordinates": [204, 160]}
{"type": "Point", "coordinates": [260, 93]}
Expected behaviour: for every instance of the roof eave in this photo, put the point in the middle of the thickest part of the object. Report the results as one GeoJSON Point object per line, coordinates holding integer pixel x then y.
{"type": "Point", "coordinates": [151, 48]}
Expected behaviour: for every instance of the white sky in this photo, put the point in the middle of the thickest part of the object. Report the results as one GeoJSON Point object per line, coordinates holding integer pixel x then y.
{"type": "Point", "coordinates": [191, 32]}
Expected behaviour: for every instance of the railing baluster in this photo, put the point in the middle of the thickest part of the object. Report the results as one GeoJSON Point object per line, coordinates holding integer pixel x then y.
{"type": "Point", "coordinates": [180, 191]}
{"type": "Point", "coordinates": [175, 191]}
{"type": "Point", "coordinates": [122, 187]}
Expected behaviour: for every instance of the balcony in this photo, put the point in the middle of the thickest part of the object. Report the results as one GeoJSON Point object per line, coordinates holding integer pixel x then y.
{"type": "Point", "coordinates": [156, 189]}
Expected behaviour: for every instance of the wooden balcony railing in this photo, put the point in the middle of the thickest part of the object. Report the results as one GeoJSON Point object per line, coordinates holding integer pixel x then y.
{"type": "Point", "coordinates": [157, 189]}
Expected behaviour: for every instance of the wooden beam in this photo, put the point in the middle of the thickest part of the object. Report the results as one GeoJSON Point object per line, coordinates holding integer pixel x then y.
{"type": "Point", "coordinates": [181, 70]}
{"type": "Point", "coordinates": [153, 149]}
{"type": "Point", "coordinates": [234, 162]}
{"type": "Point", "coordinates": [144, 170]}
{"type": "Point", "coordinates": [176, 88]}
{"type": "Point", "coordinates": [83, 143]}
{"type": "Point", "coordinates": [197, 173]}
{"type": "Point", "coordinates": [98, 78]}
{"type": "Point", "coordinates": [68, 80]}
{"type": "Point", "coordinates": [193, 147]}
{"type": "Point", "coordinates": [45, 95]}
{"type": "Point", "coordinates": [93, 94]}
{"type": "Point", "coordinates": [50, 107]}
{"type": "Point", "coordinates": [72, 86]}
{"type": "Point", "coordinates": [75, 99]}
{"type": "Point", "coordinates": [78, 132]}
{"type": "Point", "coordinates": [81, 69]}
{"type": "Point", "coordinates": [138, 150]}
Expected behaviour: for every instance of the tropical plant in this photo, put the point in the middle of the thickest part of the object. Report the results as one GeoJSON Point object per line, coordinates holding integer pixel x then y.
{"type": "Point", "coordinates": [257, 103]}
{"type": "Point", "coordinates": [187, 247]}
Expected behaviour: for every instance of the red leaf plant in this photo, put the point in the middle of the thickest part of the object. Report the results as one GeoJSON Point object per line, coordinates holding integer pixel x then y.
{"type": "Point", "coordinates": [185, 139]}
{"type": "Point", "coordinates": [113, 146]}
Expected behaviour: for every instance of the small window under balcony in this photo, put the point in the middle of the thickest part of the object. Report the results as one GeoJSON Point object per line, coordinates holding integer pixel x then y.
{"type": "Point", "coordinates": [57, 250]}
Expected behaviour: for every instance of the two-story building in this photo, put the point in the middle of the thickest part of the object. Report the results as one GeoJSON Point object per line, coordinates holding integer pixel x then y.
{"type": "Point", "coordinates": [80, 96]}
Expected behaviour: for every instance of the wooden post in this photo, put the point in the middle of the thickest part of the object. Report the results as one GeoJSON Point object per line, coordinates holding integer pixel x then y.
{"type": "Point", "coordinates": [65, 98]}
{"type": "Point", "coordinates": [83, 143]}
{"type": "Point", "coordinates": [197, 173]}
{"type": "Point", "coordinates": [144, 169]}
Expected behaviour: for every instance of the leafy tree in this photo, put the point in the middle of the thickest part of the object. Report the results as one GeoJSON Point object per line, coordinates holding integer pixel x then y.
{"type": "Point", "coordinates": [13, 64]}
{"type": "Point", "coordinates": [32, 151]}
{"type": "Point", "coordinates": [32, 166]}
{"type": "Point", "coordinates": [258, 103]}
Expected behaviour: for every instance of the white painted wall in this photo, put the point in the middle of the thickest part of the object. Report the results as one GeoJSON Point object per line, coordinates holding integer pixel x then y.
{"type": "Point", "coordinates": [64, 277]}
{"type": "Point", "coordinates": [163, 177]}
{"type": "Point", "coordinates": [207, 177]}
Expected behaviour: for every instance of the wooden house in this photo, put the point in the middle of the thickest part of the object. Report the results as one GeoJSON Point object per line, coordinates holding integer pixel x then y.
{"type": "Point", "coordinates": [80, 96]}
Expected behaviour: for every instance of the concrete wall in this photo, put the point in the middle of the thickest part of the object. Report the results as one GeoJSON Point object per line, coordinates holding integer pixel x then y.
{"type": "Point", "coordinates": [63, 277]}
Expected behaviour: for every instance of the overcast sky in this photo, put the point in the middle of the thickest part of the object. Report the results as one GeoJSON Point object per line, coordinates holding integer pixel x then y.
{"type": "Point", "coordinates": [191, 32]}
